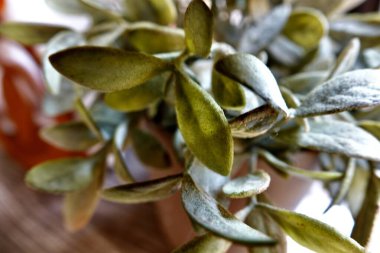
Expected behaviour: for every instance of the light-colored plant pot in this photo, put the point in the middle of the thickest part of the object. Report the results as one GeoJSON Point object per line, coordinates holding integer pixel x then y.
{"type": "Point", "coordinates": [285, 193]}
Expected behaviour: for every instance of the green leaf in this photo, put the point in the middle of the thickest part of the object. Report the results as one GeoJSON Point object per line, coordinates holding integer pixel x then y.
{"type": "Point", "coordinates": [143, 192]}
{"type": "Point", "coordinates": [306, 27]}
{"type": "Point", "coordinates": [351, 90]}
{"type": "Point", "coordinates": [79, 206]}
{"type": "Point", "coordinates": [204, 210]}
{"type": "Point", "coordinates": [335, 137]}
{"type": "Point", "coordinates": [260, 220]}
{"type": "Point", "coordinates": [256, 38]}
{"type": "Point", "coordinates": [203, 125]}
{"type": "Point", "coordinates": [367, 221]}
{"type": "Point", "coordinates": [345, 183]}
{"type": "Point", "coordinates": [205, 244]}
{"type": "Point", "coordinates": [228, 93]}
{"type": "Point", "coordinates": [67, 6]}
{"type": "Point", "coordinates": [330, 7]}
{"type": "Point", "coordinates": [312, 233]}
{"type": "Point", "coordinates": [154, 39]}
{"type": "Point", "coordinates": [73, 136]}
{"type": "Point", "coordinates": [295, 171]}
{"type": "Point", "coordinates": [149, 150]}
{"type": "Point", "coordinates": [198, 25]}
{"type": "Point", "coordinates": [252, 73]}
{"type": "Point", "coordinates": [346, 58]}
{"type": "Point", "coordinates": [106, 69]}
{"type": "Point", "coordinates": [247, 186]}
{"type": "Point", "coordinates": [60, 41]}
{"type": "Point", "coordinates": [370, 126]}
{"type": "Point", "coordinates": [254, 123]}
{"type": "Point", "coordinates": [165, 10]}
{"type": "Point", "coordinates": [29, 33]}
{"type": "Point", "coordinates": [61, 175]}
{"type": "Point", "coordinates": [139, 97]}
{"type": "Point", "coordinates": [304, 82]}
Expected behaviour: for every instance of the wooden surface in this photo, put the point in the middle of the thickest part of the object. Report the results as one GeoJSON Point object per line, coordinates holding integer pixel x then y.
{"type": "Point", "coordinates": [31, 222]}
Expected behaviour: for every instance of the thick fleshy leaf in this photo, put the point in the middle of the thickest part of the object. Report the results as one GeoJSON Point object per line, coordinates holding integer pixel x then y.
{"type": "Point", "coordinates": [256, 38]}
{"type": "Point", "coordinates": [286, 52]}
{"type": "Point", "coordinates": [254, 123]}
{"type": "Point", "coordinates": [228, 93]}
{"type": "Point", "coordinates": [165, 10]}
{"type": "Point", "coordinates": [312, 233]}
{"type": "Point", "coordinates": [139, 97]}
{"type": "Point", "coordinates": [205, 244]}
{"type": "Point", "coordinates": [203, 125]}
{"type": "Point", "coordinates": [283, 167]}
{"type": "Point", "coordinates": [62, 175]}
{"type": "Point", "coordinates": [351, 90]}
{"type": "Point", "coordinates": [346, 59]}
{"type": "Point", "coordinates": [29, 33]}
{"type": "Point", "coordinates": [198, 25]}
{"type": "Point", "coordinates": [304, 82]}
{"type": "Point", "coordinates": [249, 185]}
{"type": "Point", "coordinates": [367, 221]}
{"type": "Point", "coordinates": [79, 206]}
{"type": "Point", "coordinates": [59, 42]}
{"type": "Point", "coordinates": [74, 136]}
{"type": "Point", "coordinates": [335, 137]}
{"type": "Point", "coordinates": [371, 57]}
{"type": "Point", "coordinates": [260, 220]}
{"type": "Point", "coordinates": [67, 6]}
{"type": "Point", "coordinates": [306, 27]}
{"type": "Point", "coordinates": [143, 192]}
{"type": "Point", "coordinates": [252, 73]}
{"type": "Point", "coordinates": [106, 69]}
{"type": "Point", "coordinates": [205, 211]}
{"type": "Point", "coordinates": [149, 150]}
{"type": "Point", "coordinates": [330, 7]}
{"type": "Point", "coordinates": [345, 183]}
{"type": "Point", "coordinates": [154, 39]}
{"type": "Point", "coordinates": [345, 29]}
{"type": "Point", "coordinates": [370, 126]}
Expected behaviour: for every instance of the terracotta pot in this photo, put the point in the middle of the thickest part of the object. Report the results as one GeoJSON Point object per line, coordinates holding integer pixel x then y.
{"type": "Point", "coordinates": [286, 193]}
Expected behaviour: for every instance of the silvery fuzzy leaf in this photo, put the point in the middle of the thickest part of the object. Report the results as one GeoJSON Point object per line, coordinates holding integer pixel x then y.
{"type": "Point", "coordinates": [330, 7]}
{"type": "Point", "coordinates": [285, 51]}
{"type": "Point", "coordinates": [351, 90]}
{"type": "Point", "coordinates": [252, 73]}
{"type": "Point", "coordinates": [324, 57]}
{"type": "Point", "coordinates": [346, 59]}
{"type": "Point", "coordinates": [256, 38]}
{"type": "Point", "coordinates": [205, 211]}
{"type": "Point", "coordinates": [371, 57]}
{"type": "Point", "coordinates": [304, 82]}
{"type": "Point", "coordinates": [335, 137]}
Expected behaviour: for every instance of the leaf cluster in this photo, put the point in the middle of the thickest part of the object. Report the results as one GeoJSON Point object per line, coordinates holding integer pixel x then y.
{"type": "Point", "coordinates": [301, 77]}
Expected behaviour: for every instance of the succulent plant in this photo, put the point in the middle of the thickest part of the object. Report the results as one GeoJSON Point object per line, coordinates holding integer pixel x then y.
{"type": "Point", "coordinates": [205, 87]}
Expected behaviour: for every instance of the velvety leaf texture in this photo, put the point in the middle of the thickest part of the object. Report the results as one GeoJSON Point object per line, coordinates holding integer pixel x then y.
{"type": "Point", "coordinates": [62, 175]}
{"type": "Point", "coordinates": [351, 90]}
{"type": "Point", "coordinates": [249, 185]}
{"type": "Point", "coordinates": [312, 233]}
{"type": "Point", "coordinates": [106, 69]}
{"type": "Point", "coordinates": [335, 137]}
{"type": "Point", "coordinates": [75, 136]}
{"type": "Point", "coordinates": [203, 125]}
{"type": "Point", "coordinates": [252, 73]}
{"type": "Point", "coordinates": [209, 214]}
{"type": "Point", "coordinates": [29, 33]}
{"type": "Point", "coordinates": [205, 244]}
{"type": "Point", "coordinates": [256, 38]}
{"type": "Point", "coordinates": [144, 192]}
{"type": "Point", "coordinates": [198, 25]}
